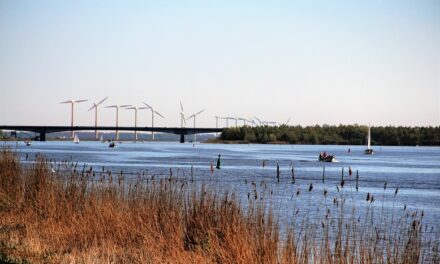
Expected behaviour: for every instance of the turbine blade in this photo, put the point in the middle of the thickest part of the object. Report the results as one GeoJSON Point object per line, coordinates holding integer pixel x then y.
{"type": "Point", "coordinates": [157, 113]}
{"type": "Point", "coordinates": [111, 106]}
{"type": "Point", "coordinates": [143, 108]}
{"type": "Point", "coordinates": [66, 102]}
{"type": "Point", "coordinates": [191, 116]}
{"type": "Point", "coordinates": [94, 105]}
{"type": "Point", "coordinates": [181, 106]}
{"type": "Point", "coordinates": [125, 105]}
{"type": "Point", "coordinates": [200, 112]}
{"type": "Point", "coordinates": [101, 101]}
{"type": "Point", "coordinates": [147, 105]}
{"type": "Point", "coordinates": [80, 101]}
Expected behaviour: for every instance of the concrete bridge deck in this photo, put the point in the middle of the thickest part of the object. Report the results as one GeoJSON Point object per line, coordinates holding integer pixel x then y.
{"type": "Point", "coordinates": [43, 130]}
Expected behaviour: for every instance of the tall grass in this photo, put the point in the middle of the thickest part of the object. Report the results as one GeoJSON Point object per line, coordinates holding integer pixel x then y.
{"type": "Point", "coordinates": [87, 216]}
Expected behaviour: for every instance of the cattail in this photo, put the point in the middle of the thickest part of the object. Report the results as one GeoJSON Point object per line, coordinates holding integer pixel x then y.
{"type": "Point", "coordinates": [368, 197]}
{"type": "Point", "coordinates": [397, 190]}
{"type": "Point", "coordinates": [342, 183]}
{"type": "Point", "coordinates": [310, 187]}
{"type": "Point", "coordinates": [325, 193]}
{"type": "Point", "coordinates": [298, 192]}
{"type": "Point", "coordinates": [385, 186]}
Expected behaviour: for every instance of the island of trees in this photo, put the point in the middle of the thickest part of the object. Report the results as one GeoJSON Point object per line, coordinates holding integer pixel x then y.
{"type": "Point", "coordinates": [339, 135]}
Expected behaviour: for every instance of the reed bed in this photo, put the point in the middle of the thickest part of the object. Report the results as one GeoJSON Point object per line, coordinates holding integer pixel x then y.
{"type": "Point", "coordinates": [79, 215]}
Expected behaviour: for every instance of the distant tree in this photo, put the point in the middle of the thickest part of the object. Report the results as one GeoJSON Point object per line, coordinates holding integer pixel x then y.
{"type": "Point", "coordinates": [342, 134]}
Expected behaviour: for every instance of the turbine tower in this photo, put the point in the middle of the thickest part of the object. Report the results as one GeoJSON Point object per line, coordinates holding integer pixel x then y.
{"type": "Point", "coordinates": [135, 108]}
{"type": "Point", "coordinates": [243, 119]}
{"type": "Point", "coordinates": [227, 119]}
{"type": "Point", "coordinates": [117, 117]}
{"type": "Point", "coordinates": [194, 116]}
{"type": "Point", "coordinates": [95, 105]}
{"type": "Point", "coordinates": [152, 118]}
{"type": "Point", "coordinates": [182, 115]}
{"type": "Point", "coordinates": [216, 123]}
{"type": "Point", "coordinates": [72, 102]}
{"type": "Point", "coordinates": [236, 120]}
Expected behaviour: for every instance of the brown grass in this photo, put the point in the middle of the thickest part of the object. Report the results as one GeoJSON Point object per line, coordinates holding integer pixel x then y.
{"type": "Point", "coordinates": [47, 216]}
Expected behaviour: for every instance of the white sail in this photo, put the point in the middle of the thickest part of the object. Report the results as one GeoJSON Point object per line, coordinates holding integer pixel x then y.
{"type": "Point", "coordinates": [101, 138]}
{"type": "Point", "coordinates": [76, 139]}
{"type": "Point", "coordinates": [369, 138]}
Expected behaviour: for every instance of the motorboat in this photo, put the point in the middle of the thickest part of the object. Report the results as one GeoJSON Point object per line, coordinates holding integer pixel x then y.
{"type": "Point", "coordinates": [112, 144]}
{"type": "Point", "coordinates": [324, 157]}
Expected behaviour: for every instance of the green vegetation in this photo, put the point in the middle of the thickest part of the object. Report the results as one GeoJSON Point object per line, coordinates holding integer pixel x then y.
{"type": "Point", "coordinates": [340, 135]}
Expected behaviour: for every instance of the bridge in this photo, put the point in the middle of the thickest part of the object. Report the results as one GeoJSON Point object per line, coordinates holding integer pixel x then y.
{"type": "Point", "coordinates": [43, 130]}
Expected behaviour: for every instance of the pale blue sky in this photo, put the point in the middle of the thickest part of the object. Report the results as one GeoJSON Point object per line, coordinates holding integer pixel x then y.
{"type": "Point", "coordinates": [317, 62]}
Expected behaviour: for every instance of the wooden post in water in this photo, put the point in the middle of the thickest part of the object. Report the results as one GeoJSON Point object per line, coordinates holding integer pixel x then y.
{"type": "Point", "coordinates": [192, 173]}
{"type": "Point", "coordinates": [293, 174]}
{"type": "Point", "coordinates": [278, 172]}
{"type": "Point", "coordinates": [323, 174]}
{"type": "Point", "coordinates": [357, 180]}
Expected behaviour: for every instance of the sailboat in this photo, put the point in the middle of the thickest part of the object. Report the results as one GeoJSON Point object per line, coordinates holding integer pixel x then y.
{"type": "Point", "coordinates": [76, 139]}
{"type": "Point", "coordinates": [101, 138]}
{"type": "Point", "coordinates": [369, 150]}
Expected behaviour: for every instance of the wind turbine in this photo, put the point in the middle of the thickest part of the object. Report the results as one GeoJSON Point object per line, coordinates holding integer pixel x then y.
{"type": "Point", "coordinates": [135, 108]}
{"type": "Point", "coordinates": [194, 116]}
{"type": "Point", "coordinates": [216, 123]}
{"type": "Point", "coordinates": [259, 121]}
{"type": "Point", "coordinates": [227, 119]}
{"type": "Point", "coordinates": [182, 115]}
{"type": "Point", "coordinates": [95, 105]}
{"type": "Point", "coordinates": [117, 117]}
{"type": "Point", "coordinates": [236, 120]}
{"type": "Point", "coordinates": [72, 102]}
{"type": "Point", "coordinates": [152, 117]}
{"type": "Point", "coordinates": [243, 119]}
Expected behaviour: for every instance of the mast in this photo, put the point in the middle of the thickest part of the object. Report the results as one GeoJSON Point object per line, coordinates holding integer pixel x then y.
{"type": "Point", "coordinates": [369, 137]}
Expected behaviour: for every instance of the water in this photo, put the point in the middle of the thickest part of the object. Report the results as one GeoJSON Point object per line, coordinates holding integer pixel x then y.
{"type": "Point", "coordinates": [415, 170]}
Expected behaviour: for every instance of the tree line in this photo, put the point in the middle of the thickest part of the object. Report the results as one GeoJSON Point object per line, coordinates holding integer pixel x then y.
{"type": "Point", "coordinates": [338, 135]}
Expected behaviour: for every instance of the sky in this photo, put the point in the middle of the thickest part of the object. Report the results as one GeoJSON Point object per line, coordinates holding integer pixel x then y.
{"type": "Point", "coordinates": [315, 62]}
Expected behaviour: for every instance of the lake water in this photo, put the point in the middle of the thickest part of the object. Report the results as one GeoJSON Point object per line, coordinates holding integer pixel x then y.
{"type": "Point", "coordinates": [414, 170]}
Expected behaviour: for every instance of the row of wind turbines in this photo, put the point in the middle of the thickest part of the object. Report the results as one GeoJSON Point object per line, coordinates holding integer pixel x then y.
{"type": "Point", "coordinates": [117, 107]}
{"type": "Point", "coordinates": [252, 121]}
{"type": "Point", "coordinates": [128, 107]}
{"type": "Point", "coordinates": [255, 121]}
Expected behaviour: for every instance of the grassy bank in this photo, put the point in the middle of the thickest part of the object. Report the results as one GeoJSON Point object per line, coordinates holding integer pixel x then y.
{"type": "Point", "coordinates": [58, 213]}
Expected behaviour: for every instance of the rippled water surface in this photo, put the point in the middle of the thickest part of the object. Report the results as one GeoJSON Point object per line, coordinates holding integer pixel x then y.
{"type": "Point", "coordinates": [415, 170]}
